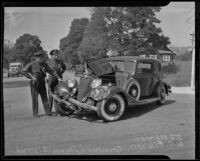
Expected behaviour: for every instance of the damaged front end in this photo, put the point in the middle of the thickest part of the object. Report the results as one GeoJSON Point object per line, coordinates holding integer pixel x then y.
{"type": "Point", "coordinates": [63, 95]}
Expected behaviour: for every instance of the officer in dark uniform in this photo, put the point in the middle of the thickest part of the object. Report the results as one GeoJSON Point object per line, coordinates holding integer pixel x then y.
{"type": "Point", "coordinates": [36, 71]}
{"type": "Point", "coordinates": [55, 64]}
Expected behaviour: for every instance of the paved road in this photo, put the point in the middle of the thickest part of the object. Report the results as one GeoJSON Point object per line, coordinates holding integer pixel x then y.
{"type": "Point", "coordinates": [149, 129]}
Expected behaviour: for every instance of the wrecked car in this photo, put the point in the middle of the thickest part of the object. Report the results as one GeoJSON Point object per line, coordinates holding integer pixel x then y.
{"type": "Point", "coordinates": [111, 85]}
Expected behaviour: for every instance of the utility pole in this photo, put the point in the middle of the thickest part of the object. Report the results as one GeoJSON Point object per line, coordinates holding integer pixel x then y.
{"type": "Point", "coordinates": [193, 62]}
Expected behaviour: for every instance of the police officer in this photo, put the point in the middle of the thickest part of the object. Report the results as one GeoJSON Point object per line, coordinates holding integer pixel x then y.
{"type": "Point", "coordinates": [55, 64]}
{"type": "Point", "coordinates": [36, 71]}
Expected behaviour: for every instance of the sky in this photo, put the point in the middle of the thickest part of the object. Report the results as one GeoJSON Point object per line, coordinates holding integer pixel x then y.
{"type": "Point", "coordinates": [53, 23]}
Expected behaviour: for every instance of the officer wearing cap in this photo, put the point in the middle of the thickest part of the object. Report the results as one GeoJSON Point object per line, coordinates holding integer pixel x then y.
{"type": "Point", "coordinates": [55, 64]}
{"type": "Point", "coordinates": [36, 71]}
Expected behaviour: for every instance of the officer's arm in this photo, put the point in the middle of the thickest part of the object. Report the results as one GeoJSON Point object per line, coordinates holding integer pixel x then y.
{"type": "Point", "coordinates": [26, 71]}
{"type": "Point", "coordinates": [49, 69]}
{"type": "Point", "coordinates": [63, 68]}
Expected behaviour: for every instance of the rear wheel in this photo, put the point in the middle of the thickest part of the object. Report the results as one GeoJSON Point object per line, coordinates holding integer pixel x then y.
{"type": "Point", "coordinates": [62, 109]}
{"type": "Point", "coordinates": [162, 95]}
{"type": "Point", "coordinates": [111, 109]}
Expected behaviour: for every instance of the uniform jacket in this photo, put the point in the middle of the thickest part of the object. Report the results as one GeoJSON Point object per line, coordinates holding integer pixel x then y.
{"type": "Point", "coordinates": [57, 65]}
{"type": "Point", "coordinates": [38, 70]}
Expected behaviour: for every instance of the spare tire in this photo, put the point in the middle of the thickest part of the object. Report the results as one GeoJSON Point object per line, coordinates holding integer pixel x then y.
{"type": "Point", "coordinates": [134, 89]}
{"type": "Point", "coordinates": [162, 95]}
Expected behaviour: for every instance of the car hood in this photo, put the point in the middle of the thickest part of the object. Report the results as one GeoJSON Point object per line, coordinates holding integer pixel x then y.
{"type": "Point", "coordinates": [101, 67]}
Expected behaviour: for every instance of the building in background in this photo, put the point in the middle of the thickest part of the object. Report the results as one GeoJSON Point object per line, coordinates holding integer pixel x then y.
{"type": "Point", "coordinates": [164, 55]}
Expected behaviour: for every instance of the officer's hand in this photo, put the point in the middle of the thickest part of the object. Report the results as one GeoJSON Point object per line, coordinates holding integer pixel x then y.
{"type": "Point", "coordinates": [33, 79]}
{"type": "Point", "coordinates": [60, 80]}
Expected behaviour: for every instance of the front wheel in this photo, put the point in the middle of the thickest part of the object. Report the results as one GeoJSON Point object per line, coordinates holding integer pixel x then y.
{"type": "Point", "coordinates": [111, 109]}
{"type": "Point", "coordinates": [62, 109]}
{"type": "Point", "coordinates": [162, 96]}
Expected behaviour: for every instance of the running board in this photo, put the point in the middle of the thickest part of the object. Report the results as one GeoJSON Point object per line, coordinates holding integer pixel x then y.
{"type": "Point", "coordinates": [145, 101]}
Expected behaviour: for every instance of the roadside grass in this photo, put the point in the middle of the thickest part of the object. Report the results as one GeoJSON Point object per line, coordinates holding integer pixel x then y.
{"type": "Point", "coordinates": [181, 78]}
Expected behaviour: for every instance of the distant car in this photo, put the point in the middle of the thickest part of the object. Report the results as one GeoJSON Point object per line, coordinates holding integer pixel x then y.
{"type": "Point", "coordinates": [14, 69]}
{"type": "Point", "coordinates": [111, 84]}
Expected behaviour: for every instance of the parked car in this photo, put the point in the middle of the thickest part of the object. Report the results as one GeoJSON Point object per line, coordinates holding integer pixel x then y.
{"type": "Point", "coordinates": [110, 85]}
{"type": "Point", "coordinates": [14, 69]}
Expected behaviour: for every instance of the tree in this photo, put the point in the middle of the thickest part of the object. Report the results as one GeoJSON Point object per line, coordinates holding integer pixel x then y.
{"type": "Point", "coordinates": [95, 42]}
{"type": "Point", "coordinates": [69, 45]}
{"type": "Point", "coordinates": [127, 30]}
{"type": "Point", "coordinates": [7, 55]}
{"type": "Point", "coordinates": [25, 47]}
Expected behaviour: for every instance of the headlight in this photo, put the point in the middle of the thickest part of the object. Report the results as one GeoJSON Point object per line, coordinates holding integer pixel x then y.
{"type": "Point", "coordinates": [71, 83]}
{"type": "Point", "coordinates": [95, 83]}
{"type": "Point", "coordinates": [62, 91]}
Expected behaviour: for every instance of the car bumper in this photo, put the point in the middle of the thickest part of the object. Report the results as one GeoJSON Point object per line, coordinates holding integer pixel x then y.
{"type": "Point", "coordinates": [71, 101]}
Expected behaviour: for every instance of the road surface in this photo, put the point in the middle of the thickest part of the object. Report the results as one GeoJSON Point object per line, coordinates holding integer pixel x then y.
{"type": "Point", "coordinates": [144, 130]}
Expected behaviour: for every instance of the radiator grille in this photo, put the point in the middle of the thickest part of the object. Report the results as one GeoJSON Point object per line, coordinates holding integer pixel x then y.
{"type": "Point", "coordinates": [84, 87]}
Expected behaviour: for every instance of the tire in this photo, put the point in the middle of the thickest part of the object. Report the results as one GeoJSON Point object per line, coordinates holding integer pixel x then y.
{"type": "Point", "coordinates": [61, 109]}
{"type": "Point", "coordinates": [134, 89]}
{"type": "Point", "coordinates": [111, 109]}
{"type": "Point", "coordinates": [162, 95]}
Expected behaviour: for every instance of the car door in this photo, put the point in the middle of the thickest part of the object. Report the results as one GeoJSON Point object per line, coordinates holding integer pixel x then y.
{"type": "Point", "coordinates": [119, 75]}
{"type": "Point", "coordinates": [144, 76]}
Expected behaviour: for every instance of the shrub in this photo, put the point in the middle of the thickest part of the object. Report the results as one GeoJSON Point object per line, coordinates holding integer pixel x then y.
{"type": "Point", "coordinates": [170, 68]}
{"type": "Point", "coordinates": [187, 56]}
{"type": "Point", "coordinates": [181, 78]}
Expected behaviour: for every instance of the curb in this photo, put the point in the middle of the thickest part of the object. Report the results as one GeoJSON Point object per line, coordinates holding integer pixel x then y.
{"type": "Point", "coordinates": [183, 90]}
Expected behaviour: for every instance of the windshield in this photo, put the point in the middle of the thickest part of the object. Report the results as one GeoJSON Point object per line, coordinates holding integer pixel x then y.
{"type": "Point", "coordinates": [125, 66]}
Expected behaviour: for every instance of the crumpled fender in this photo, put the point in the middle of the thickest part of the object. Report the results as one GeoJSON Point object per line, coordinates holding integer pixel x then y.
{"type": "Point", "coordinates": [99, 93]}
{"type": "Point", "coordinates": [161, 84]}
{"type": "Point", "coordinates": [109, 92]}
{"type": "Point", "coordinates": [104, 92]}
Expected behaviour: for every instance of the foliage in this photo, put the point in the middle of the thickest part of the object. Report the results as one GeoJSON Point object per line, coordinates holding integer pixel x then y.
{"type": "Point", "coordinates": [187, 56]}
{"type": "Point", "coordinates": [127, 30]}
{"type": "Point", "coordinates": [69, 45]}
{"type": "Point", "coordinates": [95, 42]}
{"type": "Point", "coordinates": [182, 77]}
{"type": "Point", "coordinates": [25, 47]}
{"type": "Point", "coordinates": [7, 55]}
{"type": "Point", "coordinates": [170, 68]}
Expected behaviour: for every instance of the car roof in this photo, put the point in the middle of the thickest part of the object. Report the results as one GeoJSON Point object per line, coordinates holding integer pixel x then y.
{"type": "Point", "coordinates": [16, 63]}
{"type": "Point", "coordinates": [132, 58]}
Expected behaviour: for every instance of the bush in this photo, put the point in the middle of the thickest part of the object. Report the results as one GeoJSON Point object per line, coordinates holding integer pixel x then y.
{"type": "Point", "coordinates": [187, 56]}
{"type": "Point", "coordinates": [170, 68]}
{"type": "Point", "coordinates": [181, 78]}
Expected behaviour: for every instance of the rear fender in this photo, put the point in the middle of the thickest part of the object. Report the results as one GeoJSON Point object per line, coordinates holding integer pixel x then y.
{"type": "Point", "coordinates": [160, 85]}
{"type": "Point", "coordinates": [167, 88]}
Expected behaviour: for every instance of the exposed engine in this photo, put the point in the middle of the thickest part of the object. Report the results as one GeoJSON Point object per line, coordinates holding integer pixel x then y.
{"type": "Point", "coordinates": [66, 89]}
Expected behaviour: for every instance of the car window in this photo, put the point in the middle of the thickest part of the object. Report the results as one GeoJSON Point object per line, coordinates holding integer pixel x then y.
{"type": "Point", "coordinates": [128, 66]}
{"type": "Point", "coordinates": [144, 67]}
